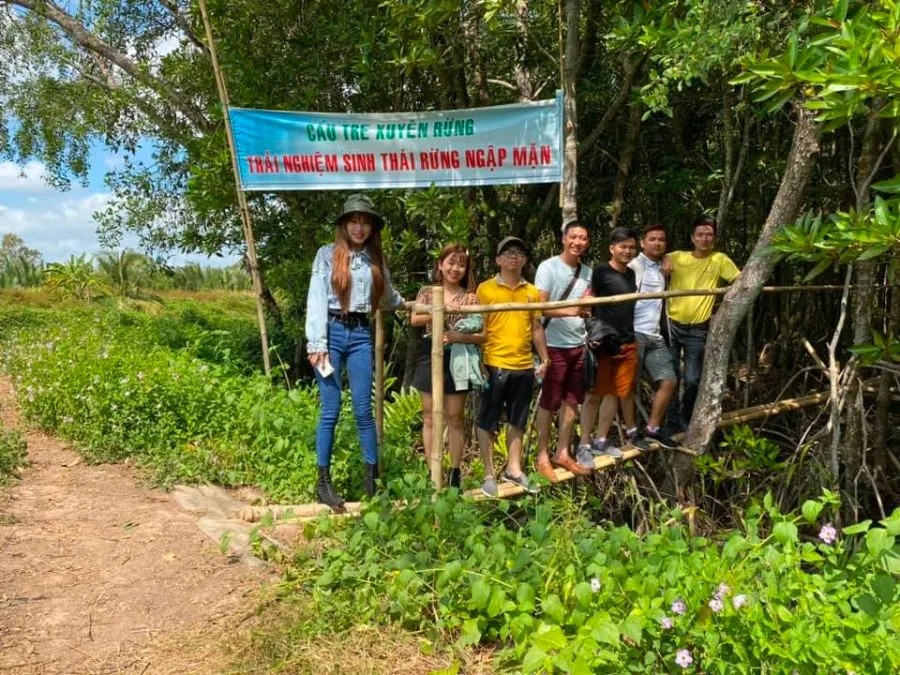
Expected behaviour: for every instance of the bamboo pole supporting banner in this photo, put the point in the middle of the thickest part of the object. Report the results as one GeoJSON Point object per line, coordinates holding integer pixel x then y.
{"type": "Point", "coordinates": [379, 382]}
{"type": "Point", "coordinates": [437, 386]}
{"type": "Point", "coordinates": [241, 197]}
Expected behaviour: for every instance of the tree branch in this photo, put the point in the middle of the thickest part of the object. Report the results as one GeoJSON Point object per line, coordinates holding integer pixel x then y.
{"type": "Point", "coordinates": [184, 25]}
{"type": "Point", "coordinates": [90, 42]}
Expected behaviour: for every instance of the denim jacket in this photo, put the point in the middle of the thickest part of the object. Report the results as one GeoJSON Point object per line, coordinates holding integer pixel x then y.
{"type": "Point", "coordinates": [321, 296]}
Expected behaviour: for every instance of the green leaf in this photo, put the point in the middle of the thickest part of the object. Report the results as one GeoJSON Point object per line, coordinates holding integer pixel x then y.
{"type": "Point", "coordinates": [497, 601]}
{"type": "Point", "coordinates": [525, 597]}
{"type": "Point", "coordinates": [811, 510]}
{"type": "Point", "coordinates": [892, 522]}
{"type": "Point", "coordinates": [817, 270]}
{"type": "Point", "coordinates": [552, 608]}
{"type": "Point", "coordinates": [891, 186]}
{"type": "Point", "coordinates": [633, 627]}
{"type": "Point", "coordinates": [859, 527]}
{"type": "Point", "coordinates": [883, 585]}
{"type": "Point", "coordinates": [371, 520]}
{"type": "Point", "coordinates": [481, 594]}
{"type": "Point", "coordinates": [583, 594]}
{"type": "Point", "coordinates": [549, 637]}
{"type": "Point", "coordinates": [878, 541]}
{"type": "Point", "coordinates": [868, 604]}
{"type": "Point", "coordinates": [605, 631]}
{"type": "Point", "coordinates": [534, 659]}
{"type": "Point", "coordinates": [785, 532]}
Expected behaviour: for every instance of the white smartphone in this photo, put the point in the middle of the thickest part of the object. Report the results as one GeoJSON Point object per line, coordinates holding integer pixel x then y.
{"type": "Point", "coordinates": [325, 368]}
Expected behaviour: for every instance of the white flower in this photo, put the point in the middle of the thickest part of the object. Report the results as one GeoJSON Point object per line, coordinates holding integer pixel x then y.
{"type": "Point", "coordinates": [739, 601]}
{"type": "Point", "coordinates": [716, 605]}
{"type": "Point", "coordinates": [596, 585]}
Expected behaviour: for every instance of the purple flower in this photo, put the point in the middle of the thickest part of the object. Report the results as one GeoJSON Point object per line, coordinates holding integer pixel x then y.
{"type": "Point", "coordinates": [716, 605]}
{"type": "Point", "coordinates": [722, 591]}
{"type": "Point", "coordinates": [679, 607]}
{"type": "Point", "coordinates": [828, 534]}
{"type": "Point", "coordinates": [739, 601]}
{"type": "Point", "coordinates": [683, 658]}
{"type": "Point", "coordinates": [667, 623]}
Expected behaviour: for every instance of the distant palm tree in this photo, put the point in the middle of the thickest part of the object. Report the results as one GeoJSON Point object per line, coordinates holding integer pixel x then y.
{"type": "Point", "coordinates": [126, 272]}
{"type": "Point", "coordinates": [75, 278]}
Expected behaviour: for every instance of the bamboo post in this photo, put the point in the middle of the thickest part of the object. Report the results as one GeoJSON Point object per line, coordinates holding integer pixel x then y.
{"type": "Point", "coordinates": [379, 380]}
{"type": "Point", "coordinates": [241, 197]}
{"type": "Point", "coordinates": [437, 386]}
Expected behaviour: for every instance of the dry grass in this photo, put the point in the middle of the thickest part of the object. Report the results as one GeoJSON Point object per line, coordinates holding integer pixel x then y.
{"type": "Point", "coordinates": [275, 642]}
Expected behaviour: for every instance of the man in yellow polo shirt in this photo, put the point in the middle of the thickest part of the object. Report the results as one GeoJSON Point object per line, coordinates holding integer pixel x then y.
{"type": "Point", "coordinates": [508, 337]}
{"type": "Point", "coordinates": [688, 317]}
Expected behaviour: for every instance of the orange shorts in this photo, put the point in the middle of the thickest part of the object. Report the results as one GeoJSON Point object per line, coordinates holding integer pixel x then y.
{"type": "Point", "coordinates": [615, 374]}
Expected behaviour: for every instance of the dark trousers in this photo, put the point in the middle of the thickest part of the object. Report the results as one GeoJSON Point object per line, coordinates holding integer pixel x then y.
{"type": "Point", "coordinates": [686, 342]}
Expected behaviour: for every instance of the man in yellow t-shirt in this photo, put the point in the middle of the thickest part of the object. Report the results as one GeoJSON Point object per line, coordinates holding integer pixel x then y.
{"type": "Point", "coordinates": [688, 317]}
{"type": "Point", "coordinates": [508, 337]}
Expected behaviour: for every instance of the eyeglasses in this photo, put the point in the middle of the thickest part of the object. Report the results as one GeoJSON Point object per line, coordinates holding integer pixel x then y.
{"type": "Point", "coordinates": [514, 253]}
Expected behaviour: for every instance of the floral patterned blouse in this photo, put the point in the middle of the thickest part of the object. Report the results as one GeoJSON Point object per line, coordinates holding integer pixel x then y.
{"type": "Point", "coordinates": [450, 318]}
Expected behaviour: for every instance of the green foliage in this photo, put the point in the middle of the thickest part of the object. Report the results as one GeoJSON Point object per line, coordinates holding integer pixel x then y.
{"type": "Point", "coordinates": [13, 455]}
{"type": "Point", "coordinates": [75, 278]}
{"type": "Point", "coordinates": [558, 594]}
{"type": "Point", "coordinates": [742, 453]}
{"type": "Point", "coordinates": [108, 382]}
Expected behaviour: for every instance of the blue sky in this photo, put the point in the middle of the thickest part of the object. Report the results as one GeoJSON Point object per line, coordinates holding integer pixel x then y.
{"type": "Point", "coordinates": [61, 223]}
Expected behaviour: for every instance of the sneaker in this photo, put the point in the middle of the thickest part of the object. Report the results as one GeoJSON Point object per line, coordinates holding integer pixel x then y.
{"type": "Point", "coordinates": [455, 478]}
{"type": "Point", "coordinates": [637, 440]}
{"type": "Point", "coordinates": [585, 457]}
{"type": "Point", "coordinates": [489, 487]}
{"type": "Point", "coordinates": [521, 480]}
{"type": "Point", "coordinates": [661, 438]}
{"type": "Point", "coordinates": [605, 449]}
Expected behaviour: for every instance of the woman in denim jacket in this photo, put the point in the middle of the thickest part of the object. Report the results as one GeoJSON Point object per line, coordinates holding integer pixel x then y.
{"type": "Point", "coordinates": [349, 280]}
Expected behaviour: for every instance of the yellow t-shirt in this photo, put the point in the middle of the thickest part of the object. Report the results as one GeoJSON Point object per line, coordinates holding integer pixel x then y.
{"type": "Point", "coordinates": [507, 335]}
{"type": "Point", "coordinates": [689, 272]}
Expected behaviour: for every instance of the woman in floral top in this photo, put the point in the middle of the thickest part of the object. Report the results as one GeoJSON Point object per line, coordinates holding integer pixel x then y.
{"type": "Point", "coordinates": [453, 270]}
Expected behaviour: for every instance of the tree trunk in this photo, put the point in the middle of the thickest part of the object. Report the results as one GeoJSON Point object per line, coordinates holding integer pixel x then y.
{"type": "Point", "coordinates": [626, 158]}
{"type": "Point", "coordinates": [741, 295]}
{"type": "Point", "coordinates": [570, 75]}
{"type": "Point", "coordinates": [731, 174]}
{"type": "Point", "coordinates": [863, 293]}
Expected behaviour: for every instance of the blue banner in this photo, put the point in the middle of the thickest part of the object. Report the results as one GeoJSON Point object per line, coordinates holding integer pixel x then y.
{"type": "Point", "coordinates": [507, 144]}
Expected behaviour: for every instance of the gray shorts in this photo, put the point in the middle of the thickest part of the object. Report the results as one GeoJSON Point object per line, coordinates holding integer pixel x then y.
{"type": "Point", "coordinates": [654, 354]}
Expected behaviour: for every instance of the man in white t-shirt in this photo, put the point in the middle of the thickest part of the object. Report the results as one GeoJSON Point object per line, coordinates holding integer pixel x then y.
{"type": "Point", "coordinates": [653, 352]}
{"type": "Point", "coordinates": [563, 277]}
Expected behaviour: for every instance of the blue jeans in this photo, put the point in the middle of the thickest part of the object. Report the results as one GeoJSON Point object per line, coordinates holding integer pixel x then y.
{"type": "Point", "coordinates": [349, 347]}
{"type": "Point", "coordinates": [688, 342]}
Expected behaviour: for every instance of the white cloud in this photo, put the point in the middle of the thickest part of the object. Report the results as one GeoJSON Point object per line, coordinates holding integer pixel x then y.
{"type": "Point", "coordinates": [57, 227]}
{"type": "Point", "coordinates": [28, 178]}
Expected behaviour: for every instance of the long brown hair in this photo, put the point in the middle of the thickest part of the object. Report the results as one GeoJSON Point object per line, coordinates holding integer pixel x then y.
{"type": "Point", "coordinates": [468, 279]}
{"type": "Point", "coordinates": [340, 265]}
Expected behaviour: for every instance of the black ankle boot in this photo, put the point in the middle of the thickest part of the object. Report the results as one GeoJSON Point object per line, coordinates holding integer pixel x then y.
{"type": "Point", "coordinates": [326, 493]}
{"type": "Point", "coordinates": [370, 478]}
{"type": "Point", "coordinates": [455, 478]}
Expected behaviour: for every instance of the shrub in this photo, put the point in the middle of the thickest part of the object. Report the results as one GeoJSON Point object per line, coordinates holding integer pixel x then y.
{"type": "Point", "coordinates": [13, 455]}
{"type": "Point", "coordinates": [559, 594]}
{"type": "Point", "coordinates": [98, 379]}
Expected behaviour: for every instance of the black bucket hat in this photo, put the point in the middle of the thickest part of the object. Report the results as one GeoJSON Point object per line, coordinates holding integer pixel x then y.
{"type": "Point", "coordinates": [360, 203]}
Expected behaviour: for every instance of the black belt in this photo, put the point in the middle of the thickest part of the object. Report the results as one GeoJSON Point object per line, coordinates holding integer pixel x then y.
{"type": "Point", "coordinates": [678, 324]}
{"type": "Point", "coordinates": [350, 319]}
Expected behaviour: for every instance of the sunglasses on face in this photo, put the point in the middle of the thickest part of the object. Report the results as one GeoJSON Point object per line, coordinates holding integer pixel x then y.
{"type": "Point", "coordinates": [514, 253]}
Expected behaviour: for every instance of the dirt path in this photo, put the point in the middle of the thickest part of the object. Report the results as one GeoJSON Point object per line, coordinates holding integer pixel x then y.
{"type": "Point", "coordinates": [101, 575]}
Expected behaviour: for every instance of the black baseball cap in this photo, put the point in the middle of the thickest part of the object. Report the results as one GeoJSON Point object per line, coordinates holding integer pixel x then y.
{"type": "Point", "coordinates": [506, 241]}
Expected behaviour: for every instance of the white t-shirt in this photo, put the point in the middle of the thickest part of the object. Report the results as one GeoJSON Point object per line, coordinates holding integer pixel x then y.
{"type": "Point", "coordinates": [553, 276]}
{"type": "Point", "coordinates": [647, 312]}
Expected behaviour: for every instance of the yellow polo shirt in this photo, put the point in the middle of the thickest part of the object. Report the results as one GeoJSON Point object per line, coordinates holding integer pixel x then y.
{"type": "Point", "coordinates": [507, 342]}
{"type": "Point", "coordinates": [691, 273]}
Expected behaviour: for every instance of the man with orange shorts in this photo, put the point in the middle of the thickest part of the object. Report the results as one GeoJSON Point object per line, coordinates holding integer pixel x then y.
{"type": "Point", "coordinates": [615, 373]}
